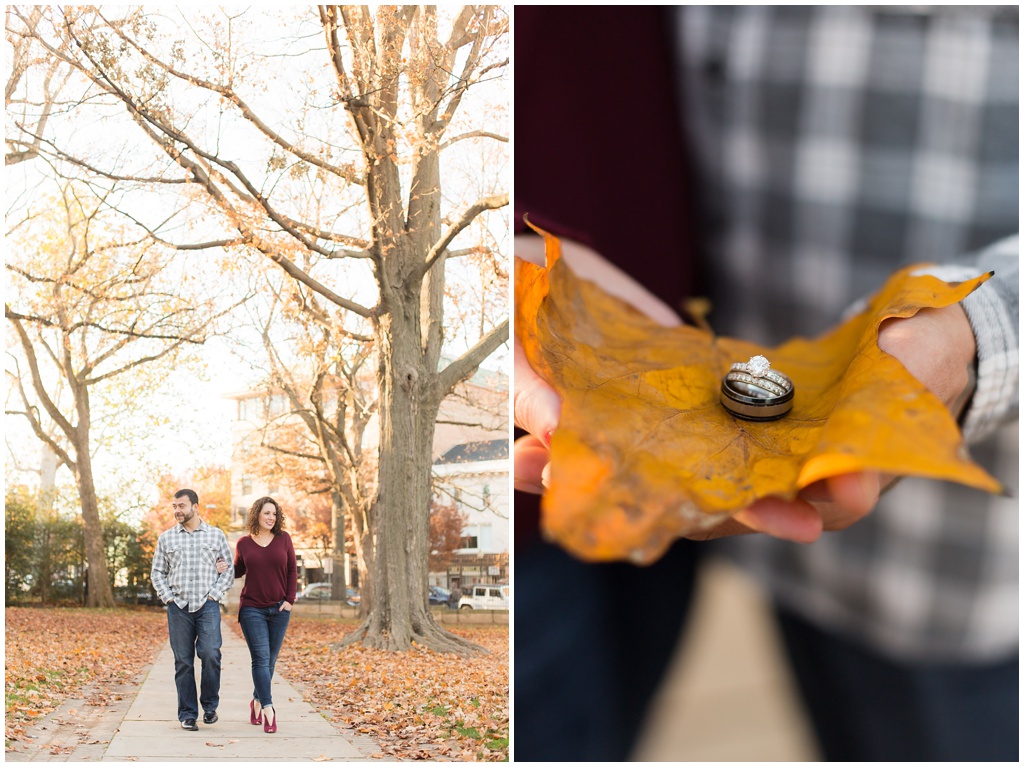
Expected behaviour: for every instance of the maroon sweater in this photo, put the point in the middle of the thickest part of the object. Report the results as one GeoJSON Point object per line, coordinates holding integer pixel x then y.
{"type": "Point", "coordinates": [270, 572]}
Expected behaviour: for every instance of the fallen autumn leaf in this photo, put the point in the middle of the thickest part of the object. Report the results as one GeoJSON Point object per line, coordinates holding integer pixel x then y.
{"type": "Point", "coordinates": [644, 452]}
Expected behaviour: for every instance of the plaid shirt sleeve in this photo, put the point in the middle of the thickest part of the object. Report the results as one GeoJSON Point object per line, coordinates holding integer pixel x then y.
{"type": "Point", "coordinates": [834, 145]}
{"type": "Point", "coordinates": [226, 579]}
{"type": "Point", "coordinates": [994, 314]}
{"type": "Point", "coordinates": [158, 572]}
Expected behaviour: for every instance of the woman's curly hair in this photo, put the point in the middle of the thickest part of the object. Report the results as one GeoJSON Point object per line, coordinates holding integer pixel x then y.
{"type": "Point", "coordinates": [252, 520]}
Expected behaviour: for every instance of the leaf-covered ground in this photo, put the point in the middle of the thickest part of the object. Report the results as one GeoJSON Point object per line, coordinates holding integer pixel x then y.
{"type": "Point", "coordinates": [417, 705]}
{"type": "Point", "coordinates": [52, 653]}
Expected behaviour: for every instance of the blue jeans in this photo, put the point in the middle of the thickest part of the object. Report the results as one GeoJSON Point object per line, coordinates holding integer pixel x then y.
{"type": "Point", "coordinates": [191, 635]}
{"type": "Point", "coordinates": [866, 707]}
{"type": "Point", "coordinates": [592, 644]}
{"type": "Point", "coordinates": [264, 629]}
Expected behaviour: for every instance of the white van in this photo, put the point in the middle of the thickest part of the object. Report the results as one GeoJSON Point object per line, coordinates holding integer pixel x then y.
{"type": "Point", "coordinates": [494, 596]}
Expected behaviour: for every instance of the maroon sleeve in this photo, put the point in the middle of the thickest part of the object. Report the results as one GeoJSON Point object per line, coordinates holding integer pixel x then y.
{"type": "Point", "coordinates": [291, 579]}
{"type": "Point", "coordinates": [239, 560]}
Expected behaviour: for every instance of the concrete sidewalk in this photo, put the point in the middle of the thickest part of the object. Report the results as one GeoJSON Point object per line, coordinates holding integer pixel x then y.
{"type": "Point", "coordinates": [150, 732]}
{"type": "Point", "coordinates": [729, 695]}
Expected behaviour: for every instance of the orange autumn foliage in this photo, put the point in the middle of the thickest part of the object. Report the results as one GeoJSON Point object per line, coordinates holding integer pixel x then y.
{"type": "Point", "coordinates": [644, 452]}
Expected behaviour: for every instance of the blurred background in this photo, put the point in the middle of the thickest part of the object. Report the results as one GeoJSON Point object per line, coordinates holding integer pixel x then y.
{"type": "Point", "coordinates": [728, 694]}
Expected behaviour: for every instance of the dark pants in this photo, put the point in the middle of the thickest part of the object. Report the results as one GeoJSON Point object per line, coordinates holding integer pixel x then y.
{"type": "Point", "coordinates": [191, 635]}
{"type": "Point", "coordinates": [264, 629]}
{"type": "Point", "coordinates": [592, 642]}
{"type": "Point", "coordinates": [866, 707]}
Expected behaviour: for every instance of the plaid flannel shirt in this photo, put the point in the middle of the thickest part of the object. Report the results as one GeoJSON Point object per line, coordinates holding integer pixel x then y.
{"type": "Point", "coordinates": [185, 566]}
{"type": "Point", "coordinates": [833, 146]}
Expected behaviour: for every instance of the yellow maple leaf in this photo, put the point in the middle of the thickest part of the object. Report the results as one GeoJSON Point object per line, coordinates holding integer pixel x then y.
{"type": "Point", "coordinates": [645, 453]}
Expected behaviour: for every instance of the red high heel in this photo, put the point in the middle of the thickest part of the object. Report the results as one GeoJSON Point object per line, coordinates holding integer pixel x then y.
{"type": "Point", "coordinates": [269, 726]}
{"type": "Point", "coordinates": [253, 719]}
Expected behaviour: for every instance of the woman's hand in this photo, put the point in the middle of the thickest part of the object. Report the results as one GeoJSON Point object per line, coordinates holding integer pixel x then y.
{"type": "Point", "coordinates": [537, 406]}
{"type": "Point", "coordinates": [285, 606]}
{"type": "Point", "coordinates": [222, 565]}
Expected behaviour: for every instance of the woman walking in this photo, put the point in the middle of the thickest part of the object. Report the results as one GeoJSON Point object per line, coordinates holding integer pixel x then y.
{"type": "Point", "coordinates": [267, 560]}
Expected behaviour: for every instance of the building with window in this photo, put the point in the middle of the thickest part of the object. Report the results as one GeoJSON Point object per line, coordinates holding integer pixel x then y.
{"type": "Point", "coordinates": [473, 476]}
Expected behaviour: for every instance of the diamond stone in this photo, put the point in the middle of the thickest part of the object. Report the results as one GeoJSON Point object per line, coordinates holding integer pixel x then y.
{"type": "Point", "coordinates": [758, 365]}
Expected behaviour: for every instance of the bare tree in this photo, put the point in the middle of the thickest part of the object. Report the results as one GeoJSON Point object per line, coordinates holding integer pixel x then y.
{"type": "Point", "coordinates": [324, 372]}
{"type": "Point", "coordinates": [325, 399]}
{"type": "Point", "coordinates": [88, 305]}
{"type": "Point", "coordinates": [27, 117]}
{"type": "Point", "coordinates": [353, 174]}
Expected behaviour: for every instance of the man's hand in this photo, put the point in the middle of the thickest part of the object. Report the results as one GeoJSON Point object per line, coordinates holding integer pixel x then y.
{"type": "Point", "coordinates": [936, 345]}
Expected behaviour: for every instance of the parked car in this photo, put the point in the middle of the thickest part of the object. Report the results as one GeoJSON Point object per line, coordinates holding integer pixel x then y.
{"type": "Point", "coordinates": [437, 595]}
{"type": "Point", "coordinates": [492, 596]}
{"type": "Point", "coordinates": [317, 592]}
{"type": "Point", "coordinates": [138, 595]}
{"type": "Point", "coordinates": [314, 592]}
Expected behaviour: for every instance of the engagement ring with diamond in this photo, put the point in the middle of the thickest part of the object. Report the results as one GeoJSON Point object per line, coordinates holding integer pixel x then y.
{"type": "Point", "coordinates": [758, 371]}
{"type": "Point", "coordinates": [753, 391]}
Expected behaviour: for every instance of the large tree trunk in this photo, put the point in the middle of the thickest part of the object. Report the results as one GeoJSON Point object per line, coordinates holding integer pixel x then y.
{"type": "Point", "coordinates": [100, 592]}
{"type": "Point", "coordinates": [399, 614]}
{"type": "Point", "coordinates": [363, 539]}
{"type": "Point", "coordinates": [339, 578]}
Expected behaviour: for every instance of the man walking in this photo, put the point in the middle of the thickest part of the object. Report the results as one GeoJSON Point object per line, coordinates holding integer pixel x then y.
{"type": "Point", "coordinates": [185, 578]}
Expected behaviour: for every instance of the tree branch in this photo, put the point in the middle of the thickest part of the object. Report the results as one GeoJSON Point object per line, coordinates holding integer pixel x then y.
{"type": "Point", "coordinates": [293, 453]}
{"type": "Point", "coordinates": [62, 155]}
{"type": "Point", "coordinates": [230, 95]}
{"type": "Point", "coordinates": [467, 364]}
{"type": "Point", "coordinates": [151, 125]}
{"type": "Point", "coordinates": [436, 252]}
{"type": "Point", "coordinates": [472, 134]}
{"type": "Point", "coordinates": [37, 384]}
{"type": "Point", "coordinates": [466, 78]}
{"type": "Point", "coordinates": [130, 333]}
{"type": "Point", "coordinates": [140, 361]}
{"type": "Point", "coordinates": [155, 127]}
{"type": "Point", "coordinates": [319, 317]}
{"type": "Point", "coordinates": [12, 158]}
{"type": "Point", "coordinates": [299, 275]}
